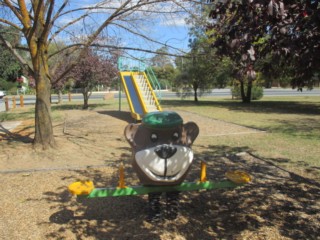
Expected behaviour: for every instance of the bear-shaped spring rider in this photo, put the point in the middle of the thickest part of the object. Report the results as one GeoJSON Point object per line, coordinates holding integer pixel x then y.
{"type": "Point", "coordinates": [162, 156]}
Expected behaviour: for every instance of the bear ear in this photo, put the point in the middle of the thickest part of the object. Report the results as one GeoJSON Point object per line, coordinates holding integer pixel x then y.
{"type": "Point", "coordinates": [192, 131]}
{"type": "Point", "coordinates": [130, 131]}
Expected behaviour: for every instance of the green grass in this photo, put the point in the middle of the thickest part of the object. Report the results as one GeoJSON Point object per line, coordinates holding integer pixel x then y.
{"type": "Point", "coordinates": [58, 110]}
{"type": "Point", "coordinates": [292, 125]}
{"type": "Point", "coordinates": [17, 114]}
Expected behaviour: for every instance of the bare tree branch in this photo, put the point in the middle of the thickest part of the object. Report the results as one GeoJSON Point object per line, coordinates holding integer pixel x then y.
{"type": "Point", "coordinates": [16, 54]}
{"type": "Point", "coordinates": [66, 26]}
{"type": "Point", "coordinates": [94, 35]}
{"type": "Point", "coordinates": [24, 14]}
{"type": "Point", "coordinates": [147, 38]}
{"type": "Point", "coordinates": [77, 45]}
{"type": "Point", "coordinates": [48, 23]}
{"type": "Point", "coordinates": [13, 9]}
{"type": "Point", "coordinates": [64, 4]}
{"type": "Point", "coordinates": [10, 23]}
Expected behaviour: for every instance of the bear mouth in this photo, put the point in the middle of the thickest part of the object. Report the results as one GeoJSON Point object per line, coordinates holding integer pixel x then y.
{"type": "Point", "coordinates": [171, 169]}
{"type": "Point", "coordinates": [165, 178]}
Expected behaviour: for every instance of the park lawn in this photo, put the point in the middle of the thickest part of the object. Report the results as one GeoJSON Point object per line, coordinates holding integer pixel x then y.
{"type": "Point", "coordinates": [280, 203]}
{"type": "Point", "coordinates": [292, 126]}
{"type": "Point", "coordinates": [17, 114]}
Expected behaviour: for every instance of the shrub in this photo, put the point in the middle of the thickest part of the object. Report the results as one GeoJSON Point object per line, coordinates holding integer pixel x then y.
{"type": "Point", "coordinates": [256, 92]}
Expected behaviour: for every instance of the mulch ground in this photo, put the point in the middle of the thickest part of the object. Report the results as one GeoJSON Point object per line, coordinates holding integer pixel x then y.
{"type": "Point", "coordinates": [35, 203]}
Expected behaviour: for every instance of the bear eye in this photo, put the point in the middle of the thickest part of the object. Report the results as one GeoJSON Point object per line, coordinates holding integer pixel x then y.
{"type": "Point", "coordinates": [154, 137]}
{"type": "Point", "coordinates": [175, 136]}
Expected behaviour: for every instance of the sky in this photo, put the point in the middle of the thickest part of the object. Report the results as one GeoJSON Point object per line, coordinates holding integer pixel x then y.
{"type": "Point", "coordinates": [175, 33]}
{"type": "Point", "coordinates": [160, 22]}
{"type": "Point", "coordinates": [175, 36]}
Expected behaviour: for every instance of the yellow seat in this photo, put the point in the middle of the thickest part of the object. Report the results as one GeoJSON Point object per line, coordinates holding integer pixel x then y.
{"type": "Point", "coordinates": [238, 176]}
{"type": "Point", "coordinates": [81, 187]}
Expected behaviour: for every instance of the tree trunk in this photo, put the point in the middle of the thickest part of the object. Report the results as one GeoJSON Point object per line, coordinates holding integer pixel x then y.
{"type": "Point", "coordinates": [243, 95]}
{"type": "Point", "coordinates": [43, 122]}
{"type": "Point", "coordinates": [195, 88]}
{"type": "Point", "coordinates": [60, 96]}
{"type": "Point", "coordinates": [85, 100]}
{"type": "Point", "coordinates": [246, 97]}
{"type": "Point", "coordinates": [195, 96]}
{"type": "Point", "coordinates": [249, 88]}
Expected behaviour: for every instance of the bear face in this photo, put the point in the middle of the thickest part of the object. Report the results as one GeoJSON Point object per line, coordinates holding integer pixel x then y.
{"type": "Point", "coordinates": [162, 153]}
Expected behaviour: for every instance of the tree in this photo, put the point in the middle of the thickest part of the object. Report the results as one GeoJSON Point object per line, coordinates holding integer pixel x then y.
{"type": "Point", "coordinates": [232, 39]}
{"type": "Point", "coordinates": [92, 70]}
{"type": "Point", "coordinates": [41, 22]}
{"type": "Point", "coordinates": [223, 72]}
{"type": "Point", "coordinates": [195, 71]}
{"type": "Point", "coordinates": [246, 30]}
{"type": "Point", "coordinates": [165, 75]}
{"type": "Point", "coordinates": [10, 68]}
{"type": "Point", "coordinates": [59, 84]}
{"type": "Point", "coordinates": [276, 71]}
{"type": "Point", "coordinates": [161, 58]}
{"type": "Point", "coordinates": [162, 66]}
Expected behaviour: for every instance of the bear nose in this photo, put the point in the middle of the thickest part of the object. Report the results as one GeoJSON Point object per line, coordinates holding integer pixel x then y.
{"type": "Point", "coordinates": [165, 151]}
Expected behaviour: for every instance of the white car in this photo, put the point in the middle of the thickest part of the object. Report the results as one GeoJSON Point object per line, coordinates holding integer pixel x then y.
{"type": "Point", "coordinates": [2, 94]}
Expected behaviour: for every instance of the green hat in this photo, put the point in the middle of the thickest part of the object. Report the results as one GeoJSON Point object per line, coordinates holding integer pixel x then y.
{"type": "Point", "coordinates": [164, 119]}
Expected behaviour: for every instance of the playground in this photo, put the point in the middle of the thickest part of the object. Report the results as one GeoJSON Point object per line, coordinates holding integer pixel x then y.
{"type": "Point", "coordinates": [280, 203]}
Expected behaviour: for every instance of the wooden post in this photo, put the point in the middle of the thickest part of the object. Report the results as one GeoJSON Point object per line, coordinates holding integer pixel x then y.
{"type": "Point", "coordinates": [13, 102]}
{"type": "Point", "coordinates": [6, 101]}
{"type": "Point", "coordinates": [69, 96]}
{"type": "Point", "coordinates": [21, 101]}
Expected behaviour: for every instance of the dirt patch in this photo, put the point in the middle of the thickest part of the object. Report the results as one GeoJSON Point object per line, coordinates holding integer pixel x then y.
{"type": "Point", "coordinates": [35, 203]}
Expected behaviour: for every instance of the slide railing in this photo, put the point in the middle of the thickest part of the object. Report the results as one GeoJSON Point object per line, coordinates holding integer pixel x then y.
{"type": "Point", "coordinates": [126, 64]}
{"type": "Point", "coordinates": [154, 81]}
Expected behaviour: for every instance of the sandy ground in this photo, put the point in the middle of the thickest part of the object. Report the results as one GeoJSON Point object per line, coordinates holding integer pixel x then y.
{"type": "Point", "coordinates": [35, 203]}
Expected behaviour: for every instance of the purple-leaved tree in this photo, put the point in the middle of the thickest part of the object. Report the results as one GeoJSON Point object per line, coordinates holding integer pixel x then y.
{"type": "Point", "coordinates": [246, 30]}
{"type": "Point", "coordinates": [93, 70]}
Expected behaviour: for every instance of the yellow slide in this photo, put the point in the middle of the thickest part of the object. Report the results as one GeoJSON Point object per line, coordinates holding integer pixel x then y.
{"type": "Point", "coordinates": [140, 95]}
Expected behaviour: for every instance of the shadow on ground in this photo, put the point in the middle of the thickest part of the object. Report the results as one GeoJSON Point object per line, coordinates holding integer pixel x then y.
{"type": "Point", "coordinates": [278, 203]}
{"type": "Point", "coordinates": [306, 128]}
{"type": "Point", "coordinates": [124, 116]}
{"type": "Point", "coordinates": [22, 135]}
{"type": "Point", "coordinates": [77, 106]}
